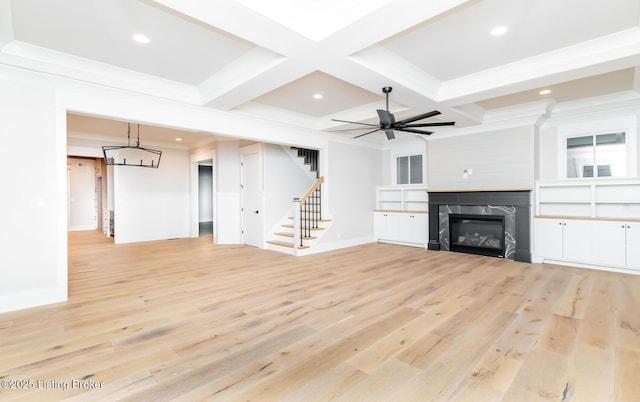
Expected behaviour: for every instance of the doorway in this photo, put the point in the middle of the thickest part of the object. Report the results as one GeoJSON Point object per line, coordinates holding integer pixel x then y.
{"type": "Point", "coordinates": [252, 205]}
{"type": "Point", "coordinates": [82, 196]}
{"type": "Point", "coordinates": [205, 198]}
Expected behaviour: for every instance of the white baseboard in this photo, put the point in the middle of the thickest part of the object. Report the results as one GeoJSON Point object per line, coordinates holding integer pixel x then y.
{"type": "Point", "coordinates": [621, 270]}
{"type": "Point", "coordinates": [41, 297]}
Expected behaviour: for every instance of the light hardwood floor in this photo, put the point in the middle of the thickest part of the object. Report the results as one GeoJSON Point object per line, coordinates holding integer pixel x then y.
{"type": "Point", "coordinates": [188, 320]}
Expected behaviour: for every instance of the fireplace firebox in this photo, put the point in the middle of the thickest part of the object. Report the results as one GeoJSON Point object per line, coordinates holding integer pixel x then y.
{"type": "Point", "coordinates": [477, 234]}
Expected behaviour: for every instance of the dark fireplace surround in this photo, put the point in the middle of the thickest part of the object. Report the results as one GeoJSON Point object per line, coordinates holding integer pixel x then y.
{"type": "Point", "coordinates": [511, 208]}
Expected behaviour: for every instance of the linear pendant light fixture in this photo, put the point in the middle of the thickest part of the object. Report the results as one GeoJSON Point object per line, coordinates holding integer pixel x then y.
{"type": "Point", "coordinates": [131, 155]}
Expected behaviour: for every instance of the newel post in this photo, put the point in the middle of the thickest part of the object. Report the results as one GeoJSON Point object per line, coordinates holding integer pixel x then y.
{"type": "Point", "coordinates": [296, 223]}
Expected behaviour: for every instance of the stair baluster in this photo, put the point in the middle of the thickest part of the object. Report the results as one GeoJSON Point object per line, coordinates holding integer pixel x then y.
{"type": "Point", "coordinates": [309, 212]}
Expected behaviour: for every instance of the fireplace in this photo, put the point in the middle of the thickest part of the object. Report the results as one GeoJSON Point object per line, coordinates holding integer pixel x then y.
{"type": "Point", "coordinates": [513, 206]}
{"type": "Point", "coordinates": [477, 234]}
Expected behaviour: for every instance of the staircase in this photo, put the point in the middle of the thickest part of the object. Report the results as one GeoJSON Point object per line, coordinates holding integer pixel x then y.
{"type": "Point", "coordinates": [310, 157]}
{"type": "Point", "coordinates": [304, 225]}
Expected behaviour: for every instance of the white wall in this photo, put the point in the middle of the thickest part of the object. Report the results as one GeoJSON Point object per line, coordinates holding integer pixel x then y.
{"type": "Point", "coordinates": [228, 193]}
{"type": "Point", "coordinates": [353, 174]}
{"type": "Point", "coordinates": [33, 242]}
{"type": "Point", "coordinates": [283, 180]}
{"type": "Point", "coordinates": [153, 204]}
{"type": "Point", "coordinates": [499, 159]}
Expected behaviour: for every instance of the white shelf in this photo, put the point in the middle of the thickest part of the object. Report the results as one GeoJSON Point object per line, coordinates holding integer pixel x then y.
{"type": "Point", "coordinates": [589, 198]}
{"type": "Point", "coordinates": [402, 198]}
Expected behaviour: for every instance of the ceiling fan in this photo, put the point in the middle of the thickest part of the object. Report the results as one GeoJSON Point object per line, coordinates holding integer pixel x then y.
{"type": "Point", "coordinates": [388, 123]}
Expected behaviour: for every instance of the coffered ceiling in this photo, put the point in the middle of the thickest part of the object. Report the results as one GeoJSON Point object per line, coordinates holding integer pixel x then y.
{"type": "Point", "coordinates": [269, 58]}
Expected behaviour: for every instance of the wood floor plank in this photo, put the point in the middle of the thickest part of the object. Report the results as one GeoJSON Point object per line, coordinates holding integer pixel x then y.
{"type": "Point", "coordinates": [186, 319]}
{"type": "Point", "coordinates": [627, 386]}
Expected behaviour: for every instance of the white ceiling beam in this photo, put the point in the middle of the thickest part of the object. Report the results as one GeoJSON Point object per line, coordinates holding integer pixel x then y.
{"type": "Point", "coordinates": [616, 51]}
{"type": "Point", "coordinates": [220, 87]}
{"type": "Point", "coordinates": [46, 61]}
{"type": "Point", "coordinates": [240, 21]}
{"type": "Point", "coordinates": [389, 20]}
{"type": "Point", "coordinates": [300, 56]}
{"type": "Point", "coordinates": [252, 87]}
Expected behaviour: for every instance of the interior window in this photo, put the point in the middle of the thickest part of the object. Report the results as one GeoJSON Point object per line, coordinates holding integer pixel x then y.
{"type": "Point", "coordinates": [599, 155]}
{"type": "Point", "coordinates": [409, 169]}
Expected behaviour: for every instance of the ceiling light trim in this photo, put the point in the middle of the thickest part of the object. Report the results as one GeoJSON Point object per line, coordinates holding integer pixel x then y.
{"type": "Point", "coordinates": [498, 30]}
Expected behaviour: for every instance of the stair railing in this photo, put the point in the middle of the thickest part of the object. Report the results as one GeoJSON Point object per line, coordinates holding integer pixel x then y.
{"type": "Point", "coordinates": [308, 213]}
{"type": "Point", "coordinates": [310, 158]}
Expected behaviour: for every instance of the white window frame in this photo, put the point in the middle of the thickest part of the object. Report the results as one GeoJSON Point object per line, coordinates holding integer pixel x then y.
{"type": "Point", "coordinates": [396, 157]}
{"type": "Point", "coordinates": [592, 128]}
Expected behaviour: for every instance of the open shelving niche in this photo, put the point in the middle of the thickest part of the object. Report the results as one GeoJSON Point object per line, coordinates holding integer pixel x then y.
{"type": "Point", "coordinates": [589, 198]}
{"type": "Point", "coordinates": [402, 199]}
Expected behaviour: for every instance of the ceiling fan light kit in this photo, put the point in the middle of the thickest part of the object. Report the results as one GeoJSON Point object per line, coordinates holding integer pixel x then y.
{"type": "Point", "coordinates": [388, 123]}
{"type": "Point", "coordinates": [131, 155]}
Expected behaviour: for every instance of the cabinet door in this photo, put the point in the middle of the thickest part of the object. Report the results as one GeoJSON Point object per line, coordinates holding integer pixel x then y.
{"type": "Point", "coordinates": [608, 243]}
{"type": "Point", "coordinates": [412, 228]}
{"type": "Point", "coordinates": [576, 239]}
{"type": "Point", "coordinates": [548, 238]}
{"type": "Point", "coordinates": [633, 245]}
{"type": "Point", "coordinates": [405, 228]}
{"type": "Point", "coordinates": [421, 229]}
{"type": "Point", "coordinates": [379, 225]}
{"type": "Point", "coordinates": [385, 225]}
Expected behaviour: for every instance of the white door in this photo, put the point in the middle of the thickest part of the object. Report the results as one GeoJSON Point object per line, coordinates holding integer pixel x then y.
{"type": "Point", "coordinates": [82, 194]}
{"type": "Point", "coordinates": [251, 200]}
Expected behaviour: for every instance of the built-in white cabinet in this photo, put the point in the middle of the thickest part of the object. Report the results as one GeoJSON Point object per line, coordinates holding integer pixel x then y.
{"type": "Point", "coordinates": [401, 215]}
{"type": "Point", "coordinates": [386, 226]}
{"type": "Point", "coordinates": [401, 227]}
{"type": "Point", "coordinates": [563, 239]}
{"type": "Point", "coordinates": [617, 243]}
{"type": "Point", "coordinates": [598, 242]}
{"type": "Point", "coordinates": [595, 222]}
{"type": "Point", "coordinates": [413, 228]}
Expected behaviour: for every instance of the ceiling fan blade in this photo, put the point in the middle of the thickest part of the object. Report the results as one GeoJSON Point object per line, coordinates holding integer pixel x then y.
{"type": "Point", "coordinates": [362, 135]}
{"type": "Point", "coordinates": [386, 118]}
{"type": "Point", "coordinates": [352, 129]}
{"type": "Point", "coordinates": [419, 117]}
{"type": "Point", "coordinates": [413, 130]}
{"type": "Point", "coordinates": [355, 122]}
{"type": "Point", "coordinates": [436, 124]}
{"type": "Point", "coordinates": [389, 134]}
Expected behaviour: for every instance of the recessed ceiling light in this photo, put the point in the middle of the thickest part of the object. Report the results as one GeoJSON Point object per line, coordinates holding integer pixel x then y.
{"type": "Point", "coordinates": [545, 92]}
{"type": "Point", "coordinates": [317, 96]}
{"type": "Point", "coordinates": [497, 31]}
{"type": "Point", "coordinates": [178, 139]}
{"type": "Point", "coordinates": [140, 38]}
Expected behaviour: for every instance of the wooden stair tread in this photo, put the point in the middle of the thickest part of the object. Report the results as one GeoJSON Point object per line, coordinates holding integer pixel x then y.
{"type": "Point", "coordinates": [304, 227]}
{"type": "Point", "coordinates": [320, 220]}
{"type": "Point", "coordinates": [284, 244]}
{"type": "Point", "coordinates": [285, 234]}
